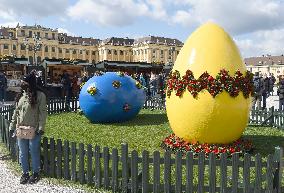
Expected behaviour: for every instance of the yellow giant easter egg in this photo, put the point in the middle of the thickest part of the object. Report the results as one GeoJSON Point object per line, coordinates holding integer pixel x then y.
{"type": "Point", "coordinates": [207, 119]}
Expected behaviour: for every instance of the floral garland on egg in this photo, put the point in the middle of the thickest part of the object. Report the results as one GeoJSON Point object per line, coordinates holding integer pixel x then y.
{"type": "Point", "coordinates": [223, 82]}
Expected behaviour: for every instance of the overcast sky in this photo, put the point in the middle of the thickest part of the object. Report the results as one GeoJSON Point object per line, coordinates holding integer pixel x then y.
{"type": "Point", "coordinates": [256, 25]}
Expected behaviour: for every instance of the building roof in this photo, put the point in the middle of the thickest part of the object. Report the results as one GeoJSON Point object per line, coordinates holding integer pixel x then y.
{"type": "Point", "coordinates": [65, 39]}
{"type": "Point", "coordinates": [125, 64]}
{"type": "Point", "coordinates": [264, 60]}
{"type": "Point", "coordinates": [36, 27]}
{"type": "Point", "coordinates": [4, 32]}
{"type": "Point", "coordinates": [118, 41]}
{"type": "Point", "coordinates": [158, 40]}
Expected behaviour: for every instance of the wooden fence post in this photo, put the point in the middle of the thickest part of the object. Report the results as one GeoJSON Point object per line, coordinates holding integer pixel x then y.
{"type": "Point", "coordinates": [89, 165]}
{"type": "Point", "coordinates": [134, 171]}
{"type": "Point", "coordinates": [114, 157]}
{"type": "Point", "coordinates": [156, 173]}
{"type": "Point", "coordinates": [45, 156]}
{"type": "Point", "coordinates": [145, 171]}
{"type": "Point", "coordinates": [278, 175]}
{"type": "Point", "coordinates": [167, 172]}
{"type": "Point", "coordinates": [271, 122]}
{"type": "Point", "coordinates": [66, 160]}
{"type": "Point", "coordinates": [106, 181]}
{"type": "Point", "coordinates": [125, 167]}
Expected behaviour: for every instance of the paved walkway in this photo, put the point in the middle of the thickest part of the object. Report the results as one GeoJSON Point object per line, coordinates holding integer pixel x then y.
{"type": "Point", "coordinates": [9, 183]}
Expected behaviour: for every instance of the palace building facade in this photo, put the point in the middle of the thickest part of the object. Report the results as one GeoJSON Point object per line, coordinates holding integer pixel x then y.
{"type": "Point", "coordinates": [266, 64]}
{"type": "Point", "coordinates": [38, 43]}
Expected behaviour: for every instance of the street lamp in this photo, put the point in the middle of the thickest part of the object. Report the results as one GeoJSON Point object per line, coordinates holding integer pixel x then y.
{"type": "Point", "coordinates": [36, 45]}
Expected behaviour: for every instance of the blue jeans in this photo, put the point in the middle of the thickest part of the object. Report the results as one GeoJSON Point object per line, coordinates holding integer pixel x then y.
{"type": "Point", "coordinates": [32, 146]}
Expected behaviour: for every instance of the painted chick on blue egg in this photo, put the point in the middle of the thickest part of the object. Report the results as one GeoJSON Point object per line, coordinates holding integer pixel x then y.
{"type": "Point", "coordinates": [111, 97]}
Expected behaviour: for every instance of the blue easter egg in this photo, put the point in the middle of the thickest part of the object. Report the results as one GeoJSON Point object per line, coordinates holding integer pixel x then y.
{"type": "Point", "coordinates": [111, 97]}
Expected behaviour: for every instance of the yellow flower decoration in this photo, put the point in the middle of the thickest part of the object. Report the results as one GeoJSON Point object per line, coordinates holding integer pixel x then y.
{"type": "Point", "coordinates": [116, 84]}
{"type": "Point", "coordinates": [82, 84]}
{"type": "Point", "coordinates": [138, 85]}
{"type": "Point", "coordinates": [92, 90]}
{"type": "Point", "coordinates": [120, 73]}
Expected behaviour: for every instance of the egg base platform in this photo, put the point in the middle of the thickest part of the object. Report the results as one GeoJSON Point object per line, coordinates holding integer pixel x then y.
{"type": "Point", "coordinates": [175, 144]}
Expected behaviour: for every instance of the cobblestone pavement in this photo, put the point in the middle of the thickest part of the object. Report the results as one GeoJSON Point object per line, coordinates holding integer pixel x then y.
{"type": "Point", "coordinates": [9, 183]}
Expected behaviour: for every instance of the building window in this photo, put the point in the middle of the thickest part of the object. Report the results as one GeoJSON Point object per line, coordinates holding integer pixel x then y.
{"type": "Point", "coordinates": [30, 34]}
{"type": "Point", "coordinates": [115, 52]}
{"type": "Point", "coordinates": [109, 52]}
{"type": "Point", "coordinates": [81, 52]}
{"type": "Point", "coordinates": [38, 34]}
{"type": "Point", "coordinates": [177, 52]}
{"type": "Point", "coordinates": [22, 32]}
{"type": "Point", "coordinates": [67, 51]}
{"type": "Point", "coordinates": [53, 49]}
{"type": "Point", "coordinates": [46, 35]}
{"type": "Point", "coordinates": [162, 52]}
{"type": "Point", "coordinates": [10, 34]}
{"type": "Point", "coordinates": [6, 46]}
{"type": "Point", "coordinates": [53, 36]}
{"type": "Point", "coordinates": [46, 49]}
{"type": "Point", "coordinates": [154, 51]}
{"type": "Point", "coordinates": [121, 52]}
{"type": "Point", "coordinates": [145, 51]}
{"type": "Point", "coordinates": [74, 51]}
{"type": "Point", "coordinates": [14, 47]}
{"type": "Point", "coordinates": [87, 52]}
{"type": "Point", "coordinates": [93, 53]}
{"type": "Point", "coordinates": [60, 50]}
{"type": "Point", "coordinates": [23, 47]}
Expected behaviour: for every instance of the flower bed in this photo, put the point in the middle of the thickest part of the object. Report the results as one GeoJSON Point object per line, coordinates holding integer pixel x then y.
{"type": "Point", "coordinates": [175, 144]}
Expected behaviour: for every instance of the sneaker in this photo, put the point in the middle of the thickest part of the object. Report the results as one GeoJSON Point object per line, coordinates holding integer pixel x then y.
{"type": "Point", "coordinates": [24, 178]}
{"type": "Point", "coordinates": [34, 178]}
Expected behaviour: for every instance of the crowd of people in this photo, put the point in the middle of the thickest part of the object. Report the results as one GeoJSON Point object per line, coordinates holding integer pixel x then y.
{"type": "Point", "coordinates": [154, 84]}
{"type": "Point", "coordinates": [264, 87]}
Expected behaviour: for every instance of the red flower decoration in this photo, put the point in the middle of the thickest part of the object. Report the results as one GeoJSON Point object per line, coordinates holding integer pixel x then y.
{"type": "Point", "coordinates": [174, 144]}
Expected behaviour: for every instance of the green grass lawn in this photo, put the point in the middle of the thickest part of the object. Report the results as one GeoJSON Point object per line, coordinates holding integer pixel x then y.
{"type": "Point", "coordinates": [145, 132]}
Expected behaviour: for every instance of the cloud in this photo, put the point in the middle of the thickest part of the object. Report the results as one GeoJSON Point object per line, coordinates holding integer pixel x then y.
{"type": "Point", "coordinates": [63, 30]}
{"type": "Point", "coordinates": [262, 43]}
{"type": "Point", "coordinates": [108, 13]}
{"type": "Point", "coordinates": [12, 9]}
{"type": "Point", "coordinates": [237, 17]}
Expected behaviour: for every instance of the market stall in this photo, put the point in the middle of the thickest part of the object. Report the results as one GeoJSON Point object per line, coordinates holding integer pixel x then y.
{"type": "Point", "coordinates": [54, 70]}
{"type": "Point", "coordinates": [14, 69]}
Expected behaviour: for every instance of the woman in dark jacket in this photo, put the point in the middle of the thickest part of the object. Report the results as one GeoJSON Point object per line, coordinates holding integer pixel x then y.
{"type": "Point", "coordinates": [30, 111]}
